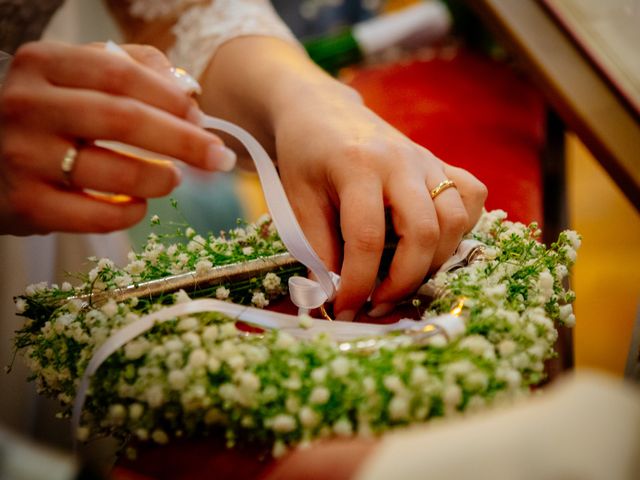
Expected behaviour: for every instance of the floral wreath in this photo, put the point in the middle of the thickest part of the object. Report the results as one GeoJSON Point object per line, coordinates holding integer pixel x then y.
{"type": "Point", "coordinates": [200, 374]}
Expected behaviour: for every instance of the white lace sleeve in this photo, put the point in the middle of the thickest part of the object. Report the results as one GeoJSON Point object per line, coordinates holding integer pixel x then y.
{"type": "Point", "coordinates": [203, 26]}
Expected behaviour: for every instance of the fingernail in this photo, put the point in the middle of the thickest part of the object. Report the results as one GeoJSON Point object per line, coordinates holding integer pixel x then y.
{"type": "Point", "coordinates": [186, 82]}
{"type": "Point", "coordinates": [113, 47]}
{"type": "Point", "coordinates": [221, 158]}
{"type": "Point", "coordinates": [346, 315]}
{"type": "Point", "coordinates": [381, 310]}
{"type": "Point", "coordinates": [177, 173]}
{"type": "Point", "coordinates": [194, 115]}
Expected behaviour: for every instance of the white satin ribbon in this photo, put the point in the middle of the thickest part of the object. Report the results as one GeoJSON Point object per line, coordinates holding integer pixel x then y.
{"type": "Point", "coordinates": [283, 217]}
{"type": "Point", "coordinates": [459, 258]}
{"type": "Point", "coordinates": [308, 294]}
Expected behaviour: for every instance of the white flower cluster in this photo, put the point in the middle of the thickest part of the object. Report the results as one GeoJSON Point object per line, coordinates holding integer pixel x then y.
{"type": "Point", "coordinates": [197, 373]}
{"type": "Point", "coordinates": [191, 253]}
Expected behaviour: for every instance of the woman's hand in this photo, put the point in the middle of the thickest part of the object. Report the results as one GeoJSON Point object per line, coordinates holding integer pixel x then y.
{"type": "Point", "coordinates": [57, 97]}
{"type": "Point", "coordinates": [342, 166]}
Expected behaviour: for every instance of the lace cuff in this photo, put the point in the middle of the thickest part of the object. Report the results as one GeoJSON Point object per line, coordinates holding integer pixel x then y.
{"type": "Point", "coordinates": [203, 27]}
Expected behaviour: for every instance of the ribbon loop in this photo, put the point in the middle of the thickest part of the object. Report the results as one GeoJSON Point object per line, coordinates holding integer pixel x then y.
{"type": "Point", "coordinates": [281, 212]}
{"type": "Point", "coordinates": [307, 294]}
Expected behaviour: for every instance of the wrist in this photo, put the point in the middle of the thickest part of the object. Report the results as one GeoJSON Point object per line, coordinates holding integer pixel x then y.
{"type": "Point", "coordinates": [257, 80]}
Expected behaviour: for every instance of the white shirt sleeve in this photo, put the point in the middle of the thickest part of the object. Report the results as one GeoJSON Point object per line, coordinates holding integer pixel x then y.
{"type": "Point", "coordinates": [587, 428]}
{"type": "Point", "coordinates": [203, 26]}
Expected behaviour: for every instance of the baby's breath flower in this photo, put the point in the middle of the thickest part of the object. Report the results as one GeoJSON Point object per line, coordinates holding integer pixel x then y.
{"type": "Point", "coordinates": [343, 428]}
{"type": "Point", "coordinates": [259, 300]}
{"type": "Point", "coordinates": [136, 348]}
{"type": "Point", "coordinates": [177, 379]}
{"type": "Point", "coordinates": [21, 305]}
{"type": "Point", "coordinates": [305, 321]}
{"type": "Point", "coordinates": [340, 367]}
{"type": "Point", "coordinates": [35, 288]}
{"type": "Point", "coordinates": [574, 239]}
{"type": "Point", "coordinates": [319, 374]}
{"type": "Point", "coordinates": [198, 358]}
{"type": "Point", "coordinates": [82, 434]}
{"type": "Point", "coordinates": [309, 418]}
{"type": "Point", "coordinates": [136, 267]}
{"type": "Point", "coordinates": [160, 437]}
{"type": "Point", "coordinates": [213, 364]}
{"type": "Point", "coordinates": [452, 395]}
{"type": "Point", "coordinates": [399, 408]}
{"type": "Point", "coordinates": [181, 297]}
{"type": "Point", "coordinates": [319, 395]}
{"type": "Point", "coordinates": [284, 341]}
{"type": "Point", "coordinates": [135, 411]}
{"type": "Point", "coordinates": [279, 449]}
{"type": "Point", "coordinates": [393, 383]}
{"type": "Point", "coordinates": [187, 324]}
{"type": "Point", "coordinates": [283, 423]}
{"type": "Point", "coordinates": [117, 413]}
{"type": "Point", "coordinates": [222, 293]}
{"type": "Point", "coordinates": [271, 282]}
{"type": "Point", "coordinates": [110, 308]}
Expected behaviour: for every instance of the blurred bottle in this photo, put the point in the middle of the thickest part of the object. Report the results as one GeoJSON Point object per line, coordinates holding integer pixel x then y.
{"type": "Point", "coordinates": [419, 24]}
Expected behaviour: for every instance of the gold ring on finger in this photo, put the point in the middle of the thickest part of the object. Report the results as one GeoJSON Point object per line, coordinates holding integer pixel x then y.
{"type": "Point", "coordinates": [67, 164]}
{"type": "Point", "coordinates": [442, 186]}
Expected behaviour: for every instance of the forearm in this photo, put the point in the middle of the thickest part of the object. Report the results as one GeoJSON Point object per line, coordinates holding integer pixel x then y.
{"type": "Point", "coordinates": [252, 81]}
{"type": "Point", "coordinates": [249, 64]}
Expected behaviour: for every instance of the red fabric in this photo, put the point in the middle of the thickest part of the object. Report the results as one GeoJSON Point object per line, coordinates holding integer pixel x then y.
{"type": "Point", "coordinates": [471, 112]}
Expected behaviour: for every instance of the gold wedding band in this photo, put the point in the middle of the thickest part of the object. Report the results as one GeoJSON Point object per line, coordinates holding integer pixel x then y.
{"type": "Point", "coordinates": [67, 164]}
{"type": "Point", "coordinates": [442, 186]}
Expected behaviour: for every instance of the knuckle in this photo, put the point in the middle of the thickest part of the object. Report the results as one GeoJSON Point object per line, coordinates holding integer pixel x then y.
{"type": "Point", "coordinates": [17, 101]}
{"type": "Point", "coordinates": [426, 232]}
{"type": "Point", "coordinates": [11, 149]}
{"type": "Point", "coordinates": [457, 220]}
{"type": "Point", "coordinates": [23, 204]}
{"type": "Point", "coordinates": [30, 53]}
{"type": "Point", "coordinates": [130, 178]}
{"type": "Point", "coordinates": [148, 54]}
{"type": "Point", "coordinates": [357, 154]}
{"type": "Point", "coordinates": [120, 118]}
{"type": "Point", "coordinates": [111, 218]}
{"type": "Point", "coordinates": [164, 185]}
{"type": "Point", "coordinates": [369, 239]}
{"type": "Point", "coordinates": [191, 145]}
{"type": "Point", "coordinates": [118, 74]}
{"type": "Point", "coordinates": [479, 192]}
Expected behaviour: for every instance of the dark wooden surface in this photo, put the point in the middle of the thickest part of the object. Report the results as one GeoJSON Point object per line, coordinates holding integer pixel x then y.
{"type": "Point", "coordinates": [587, 102]}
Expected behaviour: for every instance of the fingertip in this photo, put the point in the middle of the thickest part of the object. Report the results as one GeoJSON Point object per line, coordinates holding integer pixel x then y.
{"type": "Point", "coordinates": [136, 211]}
{"type": "Point", "coordinates": [381, 310]}
{"type": "Point", "coordinates": [185, 81]}
{"type": "Point", "coordinates": [177, 175]}
{"type": "Point", "coordinates": [194, 115]}
{"type": "Point", "coordinates": [346, 315]}
{"type": "Point", "coordinates": [220, 157]}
